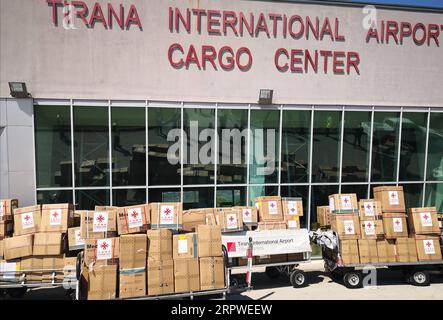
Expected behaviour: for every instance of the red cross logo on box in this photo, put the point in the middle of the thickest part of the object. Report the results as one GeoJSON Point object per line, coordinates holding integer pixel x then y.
{"type": "Point", "coordinates": [27, 218]}
{"type": "Point", "coordinates": [369, 206]}
{"type": "Point", "coordinates": [428, 244]}
{"type": "Point", "coordinates": [369, 225]}
{"type": "Point", "coordinates": [247, 213]}
{"type": "Point", "coordinates": [100, 218]}
{"type": "Point", "coordinates": [134, 214]}
{"type": "Point", "coordinates": [167, 211]}
{"type": "Point", "coordinates": [55, 214]}
{"type": "Point", "coordinates": [231, 218]}
{"type": "Point", "coordinates": [104, 246]}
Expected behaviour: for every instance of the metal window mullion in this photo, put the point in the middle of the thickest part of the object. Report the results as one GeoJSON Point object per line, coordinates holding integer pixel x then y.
{"type": "Point", "coordinates": [216, 154]}
{"type": "Point", "coordinates": [111, 198]}
{"type": "Point", "coordinates": [34, 154]}
{"type": "Point", "coordinates": [248, 155]}
{"type": "Point", "coordinates": [311, 146]}
{"type": "Point", "coordinates": [399, 145]}
{"type": "Point", "coordinates": [71, 110]}
{"type": "Point", "coordinates": [371, 141]}
{"type": "Point", "coordinates": [425, 171]}
{"type": "Point", "coordinates": [147, 149]}
{"type": "Point", "coordinates": [280, 150]}
{"type": "Point", "coordinates": [181, 151]}
{"type": "Point", "coordinates": [341, 149]}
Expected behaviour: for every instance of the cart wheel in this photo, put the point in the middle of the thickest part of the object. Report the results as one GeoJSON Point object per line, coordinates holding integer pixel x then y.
{"type": "Point", "coordinates": [272, 272]}
{"type": "Point", "coordinates": [2, 293]}
{"type": "Point", "coordinates": [17, 293]}
{"type": "Point", "coordinates": [237, 281]}
{"type": "Point", "coordinates": [420, 278]}
{"type": "Point", "coordinates": [78, 265]}
{"type": "Point", "coordinates": [298, 278]}
{"type": "Point", "coordinates": [353, 280]}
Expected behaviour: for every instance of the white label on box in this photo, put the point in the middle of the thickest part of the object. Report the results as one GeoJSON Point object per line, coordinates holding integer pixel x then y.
{"type": "Point", "coordinates": [369, 228]}
{"type": "Point", "coordinates": [346, 202]}
{"type": "Point", "coordinates": [331, 204]}
{"type": "Point", "coordinates": [55, 217]}
{"type": "Point", "coordinates": [426, 219]}
{"type": "Point", "coordinates": [429, 246]}
{"type": "Point", "coordinates": [135, 218]}
{"type": "Point", "coordinates": [104, 249]}
{"type": "Point", "coordinates": [182, 246]}
{"type": "Point", "coordinates": [272, 207]}
{"type": "Point", "coordinates": [100, 223]}
{"type": "Point", "coordinates": [393, 198]}
{"type": "Point", "coordinates": [167, 215]}
{"type": "Point", "coordinates": [8, 269]}
{"type": "Point", "coordinates": [349, 226]}
{"type": "Point", "coordinates": [440, 224]}
{"type": "Point", "coordinates": [247, 215]}
{"type": "Point", "coordinates": [369, 209]}
{"type": "Point", "coordinates": [292, 224]}
{"type": "Point", "coordinates": [2, 209]}
{"type": "Point", "coordinates": [231, 221]}
{"type": "Point", "coordinates": [398, 224]}
{"type": "Point", "coordinates": [27, 220]}
{"type": "Point", "coordinates": [257, 206]}
{"type": "Point", "coordinates": [78, 240]}
{"type": "Point", "coordinates": [292, 208]}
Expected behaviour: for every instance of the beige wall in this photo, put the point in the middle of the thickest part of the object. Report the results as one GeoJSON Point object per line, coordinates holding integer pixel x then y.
{"type": "Point", "coordinates": [115, 64]}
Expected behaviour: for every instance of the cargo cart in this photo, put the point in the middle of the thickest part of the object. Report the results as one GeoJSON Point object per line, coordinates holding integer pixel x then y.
{"type": "Point", "coordinates": [263, 243]}
{"type": "Point", "coordinates": [415, 273]}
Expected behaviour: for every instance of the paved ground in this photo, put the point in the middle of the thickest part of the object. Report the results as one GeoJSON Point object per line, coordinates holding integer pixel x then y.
{"type": "Point", "coordinates": [391, 285]}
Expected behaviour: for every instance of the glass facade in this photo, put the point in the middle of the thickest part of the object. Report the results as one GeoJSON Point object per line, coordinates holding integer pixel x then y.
{"type": "Point", "coordinates": [292, 151]}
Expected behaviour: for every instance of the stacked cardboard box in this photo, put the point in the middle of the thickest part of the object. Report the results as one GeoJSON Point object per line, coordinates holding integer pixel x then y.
{"type": "Point", "coordinates": [160, 262]}
{"type": "Point", "coordinates": [323, 216]}
{"type": "Point", "coordinates": [229, 219]}
{"type": "Point", "coordinates": [166, 215]}
{"type": "Point", "coordinates": [132, 266]}
{"type": "Point", "coordinates": [269, 209]}
{"type": "Point", "coordinates": [371, 222]}
{"type": "Point", "coordinates": [292, 211]}
{"type": "Point", "coordinates": [250, 216]}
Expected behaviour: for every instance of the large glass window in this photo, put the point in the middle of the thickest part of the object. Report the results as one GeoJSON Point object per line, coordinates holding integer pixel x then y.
{"type": "Point", "coordinates": [434, 196]}
{"type": "Point", "coordinates": [128, 197]}
{"type": "Point", "coordinates": [91, 145]}
{"type": "Point", "coordinates": [413, 145]}
{"type": "Point", "coordinates": [435, 148]}
{"type": "Point", "coordinates": [259, 191]}
{"type": "Point", "coordinates": [164, 171]}
{"type": "Point", "coordinates": [296, 132]}
{"type": "Point", "coordinates": [356, 142]}
{"type": "Point", "coordinates": [264, 146]}
{"type": "Point", "coordinates": [164, 195]}
{"type": "Point", "coordinates": [53, 146]}
{"type": "Point", "coordinates": [413, 194]}
{"type": "Point", "coordinates": [198, 124]}
{"type": "Point", "coordinates": [128, 146]}
{"type": "Point", "coordinates": [298, 192]}
{"type": "Point", "coordinates": [231, 196]}
{"type": "Point", "coordinates": [54, 196]}
{"type": "Point", "coordinates": [326, 146]}
{"type": "Point", "coordinates": [198, 198]}
{"type": "Point", "coordinates": [360, 189]}
{"type": "Point", "coordinates": [232, 134]}
{"type": "Point", "coordinates": [88, 199]}
{"type": "Point", "coordinates": [385, 146]}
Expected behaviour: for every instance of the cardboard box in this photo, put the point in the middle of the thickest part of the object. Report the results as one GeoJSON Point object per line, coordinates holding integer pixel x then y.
{"type": "Point", "coordinates": [55, 263]}
{"type": "Point", "coordinates": [386, 250]}
{"type": "Point", "coordinates": [69, 271]}
{"type": "Point", "coordinates": [18, 247]}
{"type": "Point", "coordinates": [160, 244]}
{"type": "Point", "coordinates": [269, 209]}
{"type": "Point", "coordinates": [368, 251]}
{"type": "Point", "coordinates": [47, 244]}
{"type": "Point", "coordinates": [2, 250]}
{"type": "Point", "coordinates": [428, 248]}
{"type": "Point", "coordinates": [167, 215]}
{"type": "Point", "coordinates": [347, 226]}
{"type": "Point", "coordinates": [98, 224]}
{"type": "Point", "coordinates": [349, 252]}
{"type": "Point", "coordinates": [370, 209]}
{"type": "Point", "coordinates": [186, 275]}
{"type": "Point", "coordinates": [27, 220]}
{"type": "Point", "coordinates": [423, 221]}
{"type": "Point", "coordinates": [185, 246]}
{"type": "Point", "coordinates": [132, 283]}
{"type": "Point", "coordinates": [406, 250]}
{"type": "Point", "coordinates": [371, 229]}
{"type": "Point", "coordinates": [133, 251]}
{"type": "Point", "coordinates": [293, 222]}
{"type": "Point", "coordinates": [77, 218]}
{"type": "Point", "coordinates": [6, 229]}
{"type": "Point", "coordinates": [209, 241]}
{"type": "Point", "coordinates": [344, 202]}
{"type": "Point", "coordinates": [101, 251]}
{"type": "Point", "coordinates": [249, 215]}
{"type": "Point", "coordinates": [57, 217]}
{"type": "Point", "coordinates": [160, 276]}
{"type": "Point", "coordinates": [323, 216]}
{"type": "Point", "coordinates": [75, 240]}
{"type": "Point", "coordinates": [133, 219]}
{"type": "Point", "coordinates": [31, 264]}
{"type": "Point", "coordinates": [395, 226]}
{"type": "Point", "coordinates": [101, 282]}
{"type": "Point", "coordinates": [292, 207]}
{"type": "Point", "coordinates": [230, 219]}
{"type": "Point", "coordinates": [278, 225]}
{"type": "Point", "coordinates": [195, 217]}
{"type": "Point", "coordinates": [7, 207]}
{"type": "Point", "coordinates": [391, 198]}
{"type": "Point", "coordinates": [212, 273]}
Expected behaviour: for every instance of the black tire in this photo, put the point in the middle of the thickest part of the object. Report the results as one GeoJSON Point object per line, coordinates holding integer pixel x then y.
{"type": "Point", "coordinates": [420, 278]}
{"type": "Point", "coordinates": [78, 265]}
{"type": "Point", "coordinates": [17, 293]}
{"type": "Point", "coordinates": [272, 272]}
{"type": "Point", "coordinates": [298, 279]}
{"type": "Point", "coordinates": [237, 281]}
{"type": "Point", "coordinates": [353, 280]}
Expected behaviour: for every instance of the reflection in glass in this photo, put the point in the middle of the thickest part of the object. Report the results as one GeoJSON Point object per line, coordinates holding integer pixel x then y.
{"type": "Point", "coordinates": [435, 148]}
{"type": "Point", "coordinates": [385, 146]}
{"type": "Point", "coordinates": [53, 146]}
{"type": "Point", "coordinates": [231, 196]}
{"type": "Point", "coordinates": [200, 146]}
{"type": "Point", "coordinates": [298, 192]}
{"type": "Point", "coordinates": [326, 146]}
{"type": "Point", "coordinates": [54, 196]}
{"type": "Point", "coordinates": [161, 170]}
{"type": "Point", "coordinates": [434, 196]}
{"type": "Point", "coordinates": [198, 198]}
{"type": "Point", "coordinates": [413, 144]}
{"type": "Point", "coordinates": [359, 189]}
{"type": "Point", "coordinates": [264, 146]}
{"type": "Point", "coordinates": [128, 147]}
{"type": "Point", "coordinates": [413, 195]}
{"type": "Point", "coordinates": [260, 191]}
{"type": "Point", "coordinates": [356, 141]}
{"type": "Point", "coordinates": [232, 135]}
{"type": "Point", "coordinates": [91, 135]}
{"type": "Point", "coordinates": [88, 199]}
{"type": "Point", "coordinates": [164, 195]}
{"type": "Point", "coordinates": [128, 197]}
{"type": "Point", "coordinates": [295, 146]}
